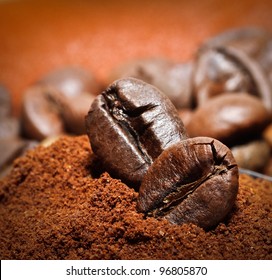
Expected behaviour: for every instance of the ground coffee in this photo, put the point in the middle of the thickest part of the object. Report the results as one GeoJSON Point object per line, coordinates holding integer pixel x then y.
{"type": "Point", "coordinates": [52, 208]}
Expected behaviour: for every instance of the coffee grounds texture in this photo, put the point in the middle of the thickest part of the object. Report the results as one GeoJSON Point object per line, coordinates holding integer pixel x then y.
{"type": "Point", "coordinates": [52, 208]}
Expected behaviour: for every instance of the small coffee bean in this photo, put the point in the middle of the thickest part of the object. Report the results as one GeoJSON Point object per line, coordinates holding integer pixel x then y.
{"type": "Point", "coordinates": [129, 125]}
{"type": "Point", "coordinates": [173, 79]}
{"type": "Point", "coordinates": [40, 115]}
{"type": "Point", "coordinates": [231, 118]}
{"type": "Point", "coordinates": [253, 155]}
{"type": "Point", "coordinates": [193, 181]}
{"type": "Point", "coordinates": [226, 69]}
{"type": "Point", "coordinates": [71, 81]}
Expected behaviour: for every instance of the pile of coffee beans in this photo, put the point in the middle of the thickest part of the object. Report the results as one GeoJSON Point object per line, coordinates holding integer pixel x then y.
{"type": "Point", "coordinates": [223, 92]}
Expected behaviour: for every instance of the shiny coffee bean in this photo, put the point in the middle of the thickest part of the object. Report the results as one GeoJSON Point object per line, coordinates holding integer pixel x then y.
{"type": "Point", "coordinates": [193, 181]}
{"type": "Point", "coordinates": [231, 118]}
{"type": "Point", "coordinates": [129, 125]}
{"type": "Point", "coordinates": [226, 69]}
{"type": "Point", "coordinates": [253, 155]}
{"type": "Point", "coordinates": [40, 115]}
{"type": "Point", "coordinates": [71, 81]}
{"type": "Point", "coordinates": [173, 79]}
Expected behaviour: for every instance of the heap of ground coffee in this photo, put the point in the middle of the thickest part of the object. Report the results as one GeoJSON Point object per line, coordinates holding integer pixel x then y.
{"type": "Point", "coordinates": [52, 208]}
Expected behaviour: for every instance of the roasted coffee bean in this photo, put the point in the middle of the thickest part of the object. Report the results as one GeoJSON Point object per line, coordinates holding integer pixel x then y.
{"type": "Point", "coordinates": [5, 103]}
{"type": "Point", "coordinates": [71, 81]}
{"type": "Point", "coordinates": [253, 155]}
{"type": "Point", "coordinates": [40, 115]}
{"type": "Point", "coordinates": [129, 125]}
{"type": "Point", "coordinates": [231, 118]}
{"type": "Point", "coordinates": [193, 181]}
{"type": "Point", "coordinates": [226, 69]}
{"type": "Point", "coordinates": [251, 40]}
{"type": "Point", "coordinates": [173, 79]}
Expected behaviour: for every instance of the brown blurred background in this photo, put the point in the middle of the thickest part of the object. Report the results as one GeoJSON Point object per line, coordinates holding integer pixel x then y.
{"type": "Point", "coordinates": [39, 36]}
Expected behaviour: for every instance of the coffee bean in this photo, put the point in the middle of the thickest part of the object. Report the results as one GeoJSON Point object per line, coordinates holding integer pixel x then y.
{"type": "Point", "coordinates": [193, 181]}
{"type": "Point", "coordinates": [129, 125]}
{"type": "Point", "coordinates": [71, 81]}
{"type": "Point", "coordinates": [251, 40]}
{"type": "Point", "coordinates": [9, 127]}
{"type": "Point", "coordinates": [40, 115]}
{"type": "Point", "coordinates": [231, 118]}
{"type": "Point", "coordinates": [226, 69]}
{"type": "Point", "coordinates": [173, 79]}
{"type": "Point", "coordinates": [73, 110]}
{"type": "Point", "coordinates": [253, 155]}
{"type": "Point", "coordinates": [5, 102]}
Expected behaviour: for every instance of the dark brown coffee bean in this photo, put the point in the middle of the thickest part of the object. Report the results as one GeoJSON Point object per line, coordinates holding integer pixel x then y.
{"type": "Point", "coordinates": [226, 69]}
{"type": "Point", "coordinates": [193, 181]}
{"type": "Point", "coordinates": [71, 81]}
{"type": "Point", "coordinates": [5, 102]}
{"type": "Point", "coordinates": [40, 115]}
{"type": "Point", "coordinates": [231, 118]}
{"type": "Point", "coordinates": [253, 155]}
{"type": "Point", "coordinates": [173, 79]}
{"type": "Point", "coordinates": [129, 125]}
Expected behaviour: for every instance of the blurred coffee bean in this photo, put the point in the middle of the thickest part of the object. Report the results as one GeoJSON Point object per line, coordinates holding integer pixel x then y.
{"type": "Point", "coordinates": [226, 69]}
{"type": "Point", "coordinates": [71, 81]}
{"type": "Point", "coordinates": [40, 116]}
{"type": "Point", "coordinates": [193, 181]}
{"type": "Point", "coordinates": [129, 125]}
{"type": "Point", "coordinates": [231, 118]}
{"type": "Point", "coordinates": [253, 155]}
{"type": "Point", "coordinates": [9, 127]}
{"type": "Point", "coordinates": [251, 40]}
{"type": "Point", "coordinates": [73, 111]}
{"type": "Point", "coordinates": [5, 102]}
{"type": "Point", "coordinates": [12, 148]}
{"type": "Point", "coordinates": [173, 79]}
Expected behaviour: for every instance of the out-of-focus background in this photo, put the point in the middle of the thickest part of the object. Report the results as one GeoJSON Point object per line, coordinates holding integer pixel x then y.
{"type": "Point", "coordinates": [38, 36]}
